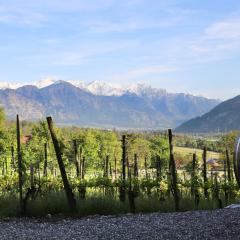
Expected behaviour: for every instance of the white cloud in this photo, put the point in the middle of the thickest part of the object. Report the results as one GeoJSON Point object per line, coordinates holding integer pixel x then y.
{"type": "Point", "coordinates": [219, 40]}
{"type": "Point", "coordinates": [228, 29]}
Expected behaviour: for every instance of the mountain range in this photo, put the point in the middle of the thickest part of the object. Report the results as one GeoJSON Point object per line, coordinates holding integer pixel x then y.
{"type": "Point", "coordinates": [101, 104]}
{"type": "Point", "coordinates": [224, 117]}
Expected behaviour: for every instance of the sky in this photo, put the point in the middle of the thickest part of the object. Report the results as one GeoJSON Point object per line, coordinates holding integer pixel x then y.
{"type": "Point", "coordinates": [190, 46]}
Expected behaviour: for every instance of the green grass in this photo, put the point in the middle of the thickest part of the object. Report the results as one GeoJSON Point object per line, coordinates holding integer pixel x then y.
{"type": "Point", "coordinates": [55, 203]}
{"type": "Point", "coordinates": [187, 151]}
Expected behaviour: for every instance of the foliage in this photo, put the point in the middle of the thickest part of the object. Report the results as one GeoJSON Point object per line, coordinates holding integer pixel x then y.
{"type": "Point", "coordinates": [101, 189]}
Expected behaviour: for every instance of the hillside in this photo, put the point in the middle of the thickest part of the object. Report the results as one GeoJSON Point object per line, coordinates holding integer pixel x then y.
{"type": "Point", "coordinates": [136, 107]}
{"type": "Point", "coordinates": [224, 117]}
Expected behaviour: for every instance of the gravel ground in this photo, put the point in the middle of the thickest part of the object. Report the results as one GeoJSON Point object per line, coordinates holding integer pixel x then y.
{"type": "Point", "coordinates": [220, 224]}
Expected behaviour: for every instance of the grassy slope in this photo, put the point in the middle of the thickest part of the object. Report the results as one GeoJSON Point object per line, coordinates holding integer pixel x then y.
{"type": "Point", "coordinates": [185, 151]}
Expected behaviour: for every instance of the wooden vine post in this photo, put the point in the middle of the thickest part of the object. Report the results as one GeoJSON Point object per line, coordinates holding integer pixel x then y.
{"type": "Point", "coordinates": [122, 187]}
{"type": "Point", "coordinates": [225, 180]}
{"type": "Point", "coordinates": [158, 167]}
{"type": "Point", "coordinates": [193, 175]}
{"type": "Point", "coordinates": [45, 160]}
{"type": "Point", "coordinates": [131, 194]}
{"type": "Point", "coordinates": [145, 166]}
{"type": "Point", "coordinates": [170, 144]}
{"type": "Point", "coordinates": [205, 172]}
{"type": "Point", "coordinates": [236, 162]}
{"type": "Point", "coordinates": [20, 179]}
{"type": "Point", "coordinates": [76, 161]}
{"type": "Point", "coordinates": [106, 170]}
{"type": "Point", "coordinates": [83, 168]}
{"type": "Point", "coordinates": [12, 158]}
{"type": "Point", "coordinates": [67, 188]}
{"type": "Point", "coordinates": [229, 175]}
{"type": "Point", "coordinates": [173, 172]}
{"type": "Point", "coordinates": [115, 167]}
{"type": "Point", "coordinates": [135, 165]}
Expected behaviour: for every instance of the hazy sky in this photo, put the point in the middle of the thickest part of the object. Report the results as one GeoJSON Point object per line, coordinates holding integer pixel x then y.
{"type": "Point", "coordinates": [180, 45]}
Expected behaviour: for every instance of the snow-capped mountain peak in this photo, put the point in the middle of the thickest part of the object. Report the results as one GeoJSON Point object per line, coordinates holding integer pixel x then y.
{"type": "Point", "coordinates": [96, 87]}
{"type": "Point", "coordinates": [105, 89]}
{"type": "Point", "coordinates": [6, 85]}
{"type": "Point", "coordinates": [46, 82]}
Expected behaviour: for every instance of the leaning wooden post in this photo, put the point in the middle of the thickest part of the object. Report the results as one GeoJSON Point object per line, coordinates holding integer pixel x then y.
{"type": "Point", "coordinates": [20, 180]}
{"type": "Point", "coordinates": [205, 172]}
{"type": "Point", "coordinates": [67, 188]}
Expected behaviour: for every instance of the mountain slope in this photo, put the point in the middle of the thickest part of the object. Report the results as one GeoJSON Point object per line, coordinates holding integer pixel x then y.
{"type": "Point", "coordinates": [224, 117]}
{"type": "Point", "coordinates": [69, 104]}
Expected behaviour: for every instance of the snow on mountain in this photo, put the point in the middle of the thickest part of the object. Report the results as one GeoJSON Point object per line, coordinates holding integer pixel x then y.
{"type": "Point", "coordinates": [105, 89]}
{"type": "Point", "coordinates": [45, 82]}
{"type": "Point", "coordinates": [96, 87]}
{"type": "Point", "coordinates": [6, 85]}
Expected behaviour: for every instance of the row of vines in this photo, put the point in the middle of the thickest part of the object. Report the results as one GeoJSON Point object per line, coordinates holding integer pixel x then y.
{"type": "Point", "coordinates": [40, 159]}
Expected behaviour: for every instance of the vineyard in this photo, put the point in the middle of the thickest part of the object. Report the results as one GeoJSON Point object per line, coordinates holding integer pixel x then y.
{"type": "Point", "coordinates": [50, 170]}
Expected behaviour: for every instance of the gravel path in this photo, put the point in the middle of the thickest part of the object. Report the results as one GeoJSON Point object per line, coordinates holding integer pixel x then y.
{"type": "Point", "coordinates": [220, 224]}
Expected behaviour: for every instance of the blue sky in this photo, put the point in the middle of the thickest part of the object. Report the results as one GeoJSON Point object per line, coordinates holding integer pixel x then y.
{"type": "Point", "coordinates": [180, 45]}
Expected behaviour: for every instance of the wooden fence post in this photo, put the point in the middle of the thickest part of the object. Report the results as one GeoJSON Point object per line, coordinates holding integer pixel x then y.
{"type": "Point", "coordinates": [145, 166]}
{"type": "Point", "coordinates": [12, 157]}
{"type": "Point", "coordinates": [107, 166]}
{"type": "Point", "coordinates": [170, 145]}
{"type": "Point", "coordinates": [205, 172]}
{"type": "Point", "coordinates": [67, 188]}
{"type": "Point", "coordinates": [45, 160]}
{"type": "Point", "coordinates": [122, 188]}
{"type": "Point", "coordinates": [115, 167]}
{"type": "Point", "coordinates": [229, 175]}
{"type": "Point", "coordinates": [173, 172]}
{"type": "Point", "coordinates": [158, 167]}
{"type": "Point", "coordinates": [135, 165]}
{"type": "Point", "coordinates": [174, 183]}
{"type": "Point", "coordinates": [193, 175]}
{"type": "Point", "coordinates": [80, 161]}
{"type": "Point", "coordinates": [20, 180]}
{"type": "Point", "coordinates": [83, 168]}
{"type": "Point", "coordinates": [131, 194]}
{"type": "Point", "coordinates": [76, 161]}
